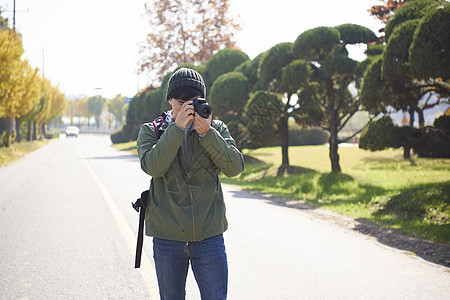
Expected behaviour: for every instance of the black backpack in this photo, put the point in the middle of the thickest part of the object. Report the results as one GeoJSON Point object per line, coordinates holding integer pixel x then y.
{"type": "Point", "coordinates": [141, 203]}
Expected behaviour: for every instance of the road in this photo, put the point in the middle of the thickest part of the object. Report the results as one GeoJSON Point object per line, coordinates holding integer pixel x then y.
{"type": "Point", "coordinates": [67, 231]}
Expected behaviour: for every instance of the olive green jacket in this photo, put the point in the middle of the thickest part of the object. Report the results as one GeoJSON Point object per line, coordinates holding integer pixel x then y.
{"type": "Point", "coordinates": [176, 211]}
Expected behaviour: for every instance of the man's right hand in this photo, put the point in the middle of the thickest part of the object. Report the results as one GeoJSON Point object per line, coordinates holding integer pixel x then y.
{"type": "Point", "coordinates": [185, 115]}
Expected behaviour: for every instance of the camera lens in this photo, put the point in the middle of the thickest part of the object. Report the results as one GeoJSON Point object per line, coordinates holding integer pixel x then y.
{"type": "Point", "coordinates": [206, 110]}
{"type": "Point", "coordinates": [202, 107]}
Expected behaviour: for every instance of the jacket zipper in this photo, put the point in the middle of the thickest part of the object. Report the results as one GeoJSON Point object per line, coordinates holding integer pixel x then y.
{"type": "Point", "coordinates": [190, 189]}
{"type": "Point", "coordinates": [192, 204]}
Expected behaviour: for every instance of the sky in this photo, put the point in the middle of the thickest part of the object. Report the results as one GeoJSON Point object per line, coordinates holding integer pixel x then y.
{"type": "Point", "coordinates": [91, 47]}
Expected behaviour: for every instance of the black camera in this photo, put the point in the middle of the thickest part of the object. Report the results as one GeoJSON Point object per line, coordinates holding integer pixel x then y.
{"type": "Point", "coordinates": [202, 107]}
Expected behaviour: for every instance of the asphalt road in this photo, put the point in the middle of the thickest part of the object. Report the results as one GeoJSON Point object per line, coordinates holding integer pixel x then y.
{"type": "Point", "coordinates": [67, 231]}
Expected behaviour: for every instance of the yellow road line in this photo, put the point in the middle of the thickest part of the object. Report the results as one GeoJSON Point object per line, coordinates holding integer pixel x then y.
{"type": "Point", "coordinates": [147, 268]}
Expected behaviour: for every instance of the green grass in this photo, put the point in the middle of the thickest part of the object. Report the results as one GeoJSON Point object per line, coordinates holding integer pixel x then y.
{"type": "Point", "coordinates": [18, 150]}
{"type": "Point", "coordinates": [410, 195]}
{"type": "Point", "coordinates": [130, 147]}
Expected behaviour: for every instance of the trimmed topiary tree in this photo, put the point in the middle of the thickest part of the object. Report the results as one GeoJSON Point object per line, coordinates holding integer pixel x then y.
{"type": "Point", "coordinates": [325, 100]}
{"type": "Point", "coordinates": [222, 62]}
{"type": "Point", "coordinates": [429, 52]}
{"type": "Point", "coordinates": [229, 94]}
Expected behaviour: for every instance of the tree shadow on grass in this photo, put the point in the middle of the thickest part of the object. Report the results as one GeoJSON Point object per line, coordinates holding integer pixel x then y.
{"type": "Point", "coordinates": [431, 251]}
{"type": "Point", "coordinates": [383, 162]}
{"type": "Point", "coordinates": [429, 200]}
{"type": "Point", "coordinates": [251, 160]}
{"type": "Point", "coordinates": [293, 170]}
{"type": "Point", "coordinates": [337, 189]}
{"type": "Point", "coordinates": [342, 188]}
{"type": "Point", "coordinates": [424, 208]}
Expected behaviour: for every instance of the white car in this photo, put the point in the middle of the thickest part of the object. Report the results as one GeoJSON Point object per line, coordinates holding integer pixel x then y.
{"type": "Point", "coordinates": [72, 131]}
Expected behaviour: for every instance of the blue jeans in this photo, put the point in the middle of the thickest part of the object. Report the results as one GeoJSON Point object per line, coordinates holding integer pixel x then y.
{"type": "Point", "coordinates": [209, 265]}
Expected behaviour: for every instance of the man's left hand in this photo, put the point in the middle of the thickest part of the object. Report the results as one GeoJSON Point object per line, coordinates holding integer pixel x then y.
{"type": "Point", "coordinates": [202, 125]}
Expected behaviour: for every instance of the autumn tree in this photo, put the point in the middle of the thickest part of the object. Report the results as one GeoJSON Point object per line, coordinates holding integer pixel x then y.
{"type": "Point", "coordinates": [83, 110]}
{"type": "Point", "coordinates": [51, 104]}
{"type": "Point", "coordinates": [28, 97]}
{"type": "Point", "coordinates": [115, 107]}
{"type": "Point", "coordinates": [3, 21]}
{"type": "Point", "coordinates": [95, 108]}
{"type": "Point", "coordinates": [185, 32]}
{"type": "Point", "coordinates": [58, 103]}
{"type": "Point", "coordinates": [72, 110]}
{"type": "Point", "coordinates": [11, 77]}
{"type": "Point", "coordinates": [43, 110]}
{"type": "Point", "coordinates": [386, 10]}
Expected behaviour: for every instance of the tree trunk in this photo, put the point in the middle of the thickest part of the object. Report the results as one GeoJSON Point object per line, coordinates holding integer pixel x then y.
{"type": "Point", "coordinates": [34, 131]}
{"type": "Point", "coordinates": [9, 130]}
{"type": "Point", "coordinates": [43, 130]}
{"type": "Point", "coordinates": [406, 152]}
{"type": "Point", "coordinates": [284, 133]}
{"type": "Point", "coordinates": [29, 131]}
{"type": "Point", "coordinates": [334, 156]}
{"type": "Point", "coordinates": [18, 137]}
{"type": "Point", "coordinates": [333, 140]}
{"type": "Point", "coordinates": [421, 118]}
{"type": "Point", "coordinates": [407, 148]}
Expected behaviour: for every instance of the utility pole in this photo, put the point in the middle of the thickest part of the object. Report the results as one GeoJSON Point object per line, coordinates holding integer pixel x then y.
{"type": "Point", "coordinates": [13, 125]}
{"type": "Point", "coordinates": [42, 62]}
{"type": "Point", "coordinates": [14, 16]}
{"type": "Point", "coordinates": [11, 132]}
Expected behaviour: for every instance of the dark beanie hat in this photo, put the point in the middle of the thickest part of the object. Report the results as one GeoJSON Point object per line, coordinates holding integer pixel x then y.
{"type": "Point", "coordinates": [186, 77]}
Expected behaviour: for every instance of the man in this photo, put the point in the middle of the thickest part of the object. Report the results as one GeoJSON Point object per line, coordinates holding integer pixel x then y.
{"type": "Point", "coordinates": [186, 211]}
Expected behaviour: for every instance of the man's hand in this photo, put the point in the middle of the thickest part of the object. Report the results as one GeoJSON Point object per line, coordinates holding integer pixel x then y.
{"type": "Point", "coordinates": [186, 115]}
{"type": "Point", "coordinates": [202, 125]}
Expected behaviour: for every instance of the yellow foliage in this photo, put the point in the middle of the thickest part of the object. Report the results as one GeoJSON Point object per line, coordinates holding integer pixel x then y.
{"type": "Point", "coordinates": [11, 73]}
{"type": "Point", "coordinates": [58, 102]}
{"type": "Point", "coordinates": [29, 96]}
{"type": "Point", "coordinates": [23, 93]}
{"type": "Point", "coordinates": [82, 107]}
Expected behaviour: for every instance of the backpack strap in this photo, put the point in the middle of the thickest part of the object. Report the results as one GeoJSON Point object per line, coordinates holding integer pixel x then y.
{"type": "Point", "coordinates": [140, 206]}
{"type": "Point", "coordinates": [158, 123]}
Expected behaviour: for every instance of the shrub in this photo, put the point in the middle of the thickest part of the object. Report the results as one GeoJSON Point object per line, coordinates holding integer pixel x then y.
{"type": "Point", "coordinates": [52, 134]}
{"type": "Point", "coordinates": [443, 123]}
{"type": "Point", "coordinates": [119, 137]}
{"type": "Point", "coordinates": [3, 138]}
{"type": "Point", "coordinates": [306, 137]}
{"type": "Point", "coordinates": [433, 145]}
{"type": "Point", "coordinates": [434, 142]}
{"type": "Point", "coordinates": [379, 135]}
{"type": "Point", "coordinates": [229, 93]}
{"type": "Point", "coordinates": [222, 62]}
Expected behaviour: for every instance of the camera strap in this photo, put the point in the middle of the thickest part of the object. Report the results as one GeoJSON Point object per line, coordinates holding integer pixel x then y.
{"type": "Point", "coordinates": [184, 148]}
